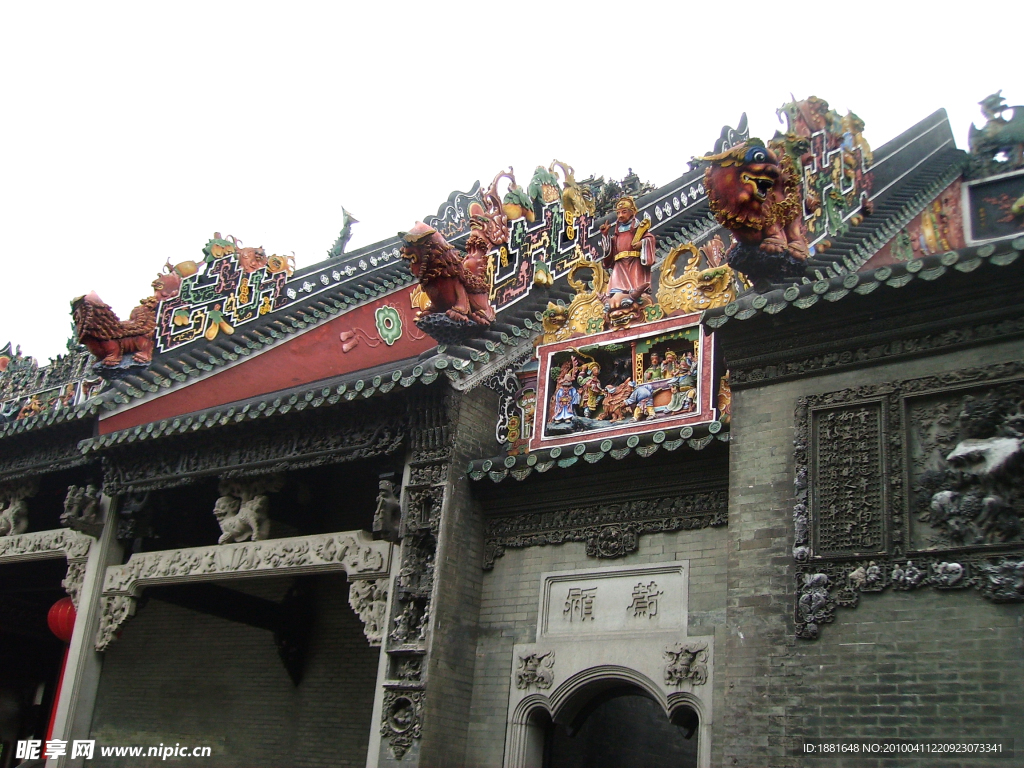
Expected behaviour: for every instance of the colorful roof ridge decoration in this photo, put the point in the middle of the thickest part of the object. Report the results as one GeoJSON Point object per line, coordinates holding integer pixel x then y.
{"type": "Point", "coordinates": [34, 396]}
{"type": "Point", "coordinates": [906, 171]}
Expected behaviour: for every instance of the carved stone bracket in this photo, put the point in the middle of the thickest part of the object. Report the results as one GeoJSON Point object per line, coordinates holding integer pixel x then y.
{"type": "Point", "coordinates": [353, 553]}
{"type": "Point", "coordinates": [909, 484]}
{"type": "Point", "coordinates": [402, 719]}
{"type": "Point", "coordinates": [609, 530]}
{"type": "Point", "coordinates": [369, 599]}
{"type": "Point", "coordinates": [42, 545]}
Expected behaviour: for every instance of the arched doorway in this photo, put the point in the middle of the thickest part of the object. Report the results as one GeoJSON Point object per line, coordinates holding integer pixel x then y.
{"type": "Point", "coordinates": [619, 725]}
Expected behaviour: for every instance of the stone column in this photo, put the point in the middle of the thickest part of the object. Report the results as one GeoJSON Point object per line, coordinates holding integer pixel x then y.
{"type": "Point", "coordinates": [430, 648]}
{"type": "Point", "coordinates": [82, 672]}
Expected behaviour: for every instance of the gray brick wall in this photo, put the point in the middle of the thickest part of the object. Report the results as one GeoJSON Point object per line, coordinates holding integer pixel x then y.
{"type": "Point", "coordinates": [180, 676]}
{"type": "Point", "coordinates": [909, 665]}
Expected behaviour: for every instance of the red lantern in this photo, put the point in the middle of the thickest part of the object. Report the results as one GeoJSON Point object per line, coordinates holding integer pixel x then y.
{"type": "Point", "coordinates": [61, 619]}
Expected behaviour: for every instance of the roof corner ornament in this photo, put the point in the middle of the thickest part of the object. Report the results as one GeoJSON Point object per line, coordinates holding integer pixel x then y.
{"type": "Point", "coordinates": [347, 220]}
{"type": "Point", "coordinates": [998, 146]}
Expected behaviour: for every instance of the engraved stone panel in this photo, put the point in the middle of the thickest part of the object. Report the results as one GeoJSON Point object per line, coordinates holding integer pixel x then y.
{"type": "Point", "coordinates": [848, 480]}
{"type": "Point", "coordinates": [628, 599]}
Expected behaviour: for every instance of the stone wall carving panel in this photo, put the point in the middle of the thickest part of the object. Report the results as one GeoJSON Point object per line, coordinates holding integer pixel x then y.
{"type": "Point", "coordinates": [849, 479]}
{"type": "Point", "coordinates": [618, 600]}
{"type": "Point", "coordinates": [353, 553]}
{"type": "Point", "coordinates": [402, 719]}
{"type": "Point", "coordinates": [946, 511]}
{"type": "Point", "coordinates": [610, 530]}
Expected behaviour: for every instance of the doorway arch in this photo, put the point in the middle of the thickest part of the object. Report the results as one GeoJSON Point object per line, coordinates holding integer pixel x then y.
{"type": "Point", "coordinates": [608, 716]}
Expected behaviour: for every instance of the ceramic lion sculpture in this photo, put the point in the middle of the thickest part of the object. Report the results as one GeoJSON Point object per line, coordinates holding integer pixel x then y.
{"type": "Point", "coordinates": [756, 196]}
{"type": "Point", "coordinates": [110, 338]}
{"type": "Point", "coordinates": [455, 285]}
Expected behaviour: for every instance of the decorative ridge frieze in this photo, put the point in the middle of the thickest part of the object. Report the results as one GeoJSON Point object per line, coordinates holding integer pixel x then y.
{"type": "Point", "coordinates": [299, 442]}
{"type": "Point", "coordinates": [610, 530]}
{"type": "Point", "coordinates": [354, 553]}
{"type": "Point", "coordinates": [43, 545]}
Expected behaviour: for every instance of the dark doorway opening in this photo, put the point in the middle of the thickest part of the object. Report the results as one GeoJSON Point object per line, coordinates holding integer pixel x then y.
{"type": "Point", "coordinates": [622, 726]}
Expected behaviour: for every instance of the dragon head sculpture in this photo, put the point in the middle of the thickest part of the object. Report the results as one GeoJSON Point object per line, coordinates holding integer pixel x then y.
{"type": "Point", "coordinates": [755, 194]}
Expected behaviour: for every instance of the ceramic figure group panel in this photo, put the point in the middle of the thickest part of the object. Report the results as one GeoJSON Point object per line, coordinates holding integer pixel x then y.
{"type": "Point", "coordinates": [621, 382]}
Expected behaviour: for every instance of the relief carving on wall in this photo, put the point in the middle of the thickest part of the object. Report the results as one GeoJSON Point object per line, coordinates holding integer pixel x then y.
{"type": "Point", "coordinates": [958, 438]}
{"type": "Point", "coordinates": [402, 719]}
{"type": "Point", "coordinates": [686, 663]}
{"type": "Point", "coordinates": [610, 530]}
{"type": "Point", "coordinates": [536, 670]}
{"type": "Point", "coordinates": [354, 553]}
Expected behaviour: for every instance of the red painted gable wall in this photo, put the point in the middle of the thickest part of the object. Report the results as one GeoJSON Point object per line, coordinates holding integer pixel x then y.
{"type": "Point", "coordinates": [313, 356]}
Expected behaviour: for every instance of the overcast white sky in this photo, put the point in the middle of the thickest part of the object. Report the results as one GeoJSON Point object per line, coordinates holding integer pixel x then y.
{"type": "Point", "coordinates": [130, 132]}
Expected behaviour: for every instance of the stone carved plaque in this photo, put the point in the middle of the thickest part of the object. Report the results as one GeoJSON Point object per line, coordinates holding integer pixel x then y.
{"type": "Point", "coordinates": [949, 478]}
{"type": "Point", "coordinates": [848, 474]}
{"type": "Point", "coordinates": [613, 600]}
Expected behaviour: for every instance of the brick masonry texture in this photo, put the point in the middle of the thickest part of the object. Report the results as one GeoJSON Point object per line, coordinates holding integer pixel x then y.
{"type": "Point", "coordinates": [909, 665]}
{"type": "Point", "coordinates": [177, 676]}
{"type": "Point", "coordinates": [457, 592]}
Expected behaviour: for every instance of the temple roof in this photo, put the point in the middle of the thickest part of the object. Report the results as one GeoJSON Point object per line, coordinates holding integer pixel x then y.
{"type": "Point", "coordinates": [909, 172]}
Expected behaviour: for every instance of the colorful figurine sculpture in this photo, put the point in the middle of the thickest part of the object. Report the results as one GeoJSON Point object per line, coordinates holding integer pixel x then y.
{"type": "Point", "coordinates": [455, 284]}
{"type": "Point", "coordinates": [628, 250]}
{"type": "Point", "coordinates": [756, 196]}
{"type": "Point", "coordinates": [565, 399]}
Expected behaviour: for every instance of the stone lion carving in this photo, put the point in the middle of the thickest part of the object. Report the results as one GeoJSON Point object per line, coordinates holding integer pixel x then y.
{"type": "Point", "coordinates": [243, 509]}
{"type": "Point", "coordinates": [14, 515]}
{"type": "Point", "coordinates": [238, 524]}
{"type": "Point", "coordinates": [756, 196]}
